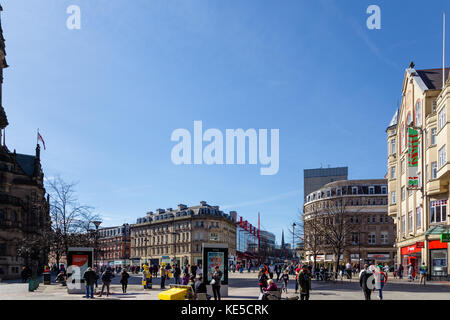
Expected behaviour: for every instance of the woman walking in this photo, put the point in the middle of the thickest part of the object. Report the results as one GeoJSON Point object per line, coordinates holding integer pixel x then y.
{"type": "Point", "coordinates": [124, 280]}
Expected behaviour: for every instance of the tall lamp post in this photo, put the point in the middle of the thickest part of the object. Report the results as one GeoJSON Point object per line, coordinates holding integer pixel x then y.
{"type": "Point", "coordinates": [97, 224]}
{"type": "Point", "coordinates": [293, 240]}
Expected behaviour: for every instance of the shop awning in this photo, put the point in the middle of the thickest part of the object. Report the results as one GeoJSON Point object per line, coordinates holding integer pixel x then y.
{"type": "Point", "coordinates": [437, 230]}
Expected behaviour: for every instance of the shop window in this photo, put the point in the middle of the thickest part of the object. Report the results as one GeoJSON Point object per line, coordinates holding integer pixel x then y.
{"type": "Point", "coordinates": [438, 262]}
{"type": "Point", "coordinates": [438, 211]}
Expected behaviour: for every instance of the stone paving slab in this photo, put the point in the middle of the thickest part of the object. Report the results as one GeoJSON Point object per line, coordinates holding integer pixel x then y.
{"type": "Point", "coordinates": [242, 287]}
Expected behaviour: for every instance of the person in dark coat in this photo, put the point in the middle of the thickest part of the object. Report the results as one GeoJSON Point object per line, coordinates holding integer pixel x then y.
{"type": "Point", "coordinates": [90, 277]}
{"type": "Point", "coordinates": [106, 279]}
{"type": "Point", "coordinates": [216, 279]}
{"type": "Point", "coordinates": [124, 275]}
{"type": "Point", "coordinates": [365, 283]}
{"type": "Point", "coordinates": [304, 282]}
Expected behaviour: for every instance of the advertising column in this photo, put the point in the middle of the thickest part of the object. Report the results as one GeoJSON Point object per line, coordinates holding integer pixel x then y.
{"type": "Point", "coordinates": [78, 260]}
{"type": "Point", "coordinates": [215, 254]}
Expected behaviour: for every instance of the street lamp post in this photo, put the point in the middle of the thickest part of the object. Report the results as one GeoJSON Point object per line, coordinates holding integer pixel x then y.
{"type": "Point", "coordinates": [293, 240]}
{"type": "Point", "coordinates": [97, 224]}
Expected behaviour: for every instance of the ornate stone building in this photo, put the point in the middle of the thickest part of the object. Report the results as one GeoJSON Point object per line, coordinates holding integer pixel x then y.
{"type": "Point", "coordinates": [177, 235]}
{"type": "Point", "coordinates": [418, 137]}
{"type": "Point", "coordinates": [369, 231]}
{"type": "Point", "coordinates": [24, 210]}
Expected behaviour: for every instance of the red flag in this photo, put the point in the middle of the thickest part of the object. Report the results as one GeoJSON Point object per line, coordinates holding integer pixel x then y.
{"type": "Point", "coordinates": [41, 139]}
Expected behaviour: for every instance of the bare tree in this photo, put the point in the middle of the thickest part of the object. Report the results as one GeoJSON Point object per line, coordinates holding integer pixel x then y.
{"type": "Point", "coordinates": [336, 227]}
{"type": "Point", "coordinates": [313, 233]}
{"type": "Point", "coordinates": [71, 221]}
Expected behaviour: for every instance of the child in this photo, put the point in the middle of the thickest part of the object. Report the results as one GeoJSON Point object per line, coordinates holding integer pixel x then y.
{"type": "Point", "coordinates": [285, 279]}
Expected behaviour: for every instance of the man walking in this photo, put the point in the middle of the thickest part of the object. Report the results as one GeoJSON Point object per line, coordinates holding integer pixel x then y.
{"type": "Point", "coordinates": [348, 268]}
{"type": "Point", "coordinates": [366, 281]}
{"type": "Point", "coordinates": [106, 279]}
{"type": "Point", "coordinates": [423, 273]}
{"type": "Point", "coordinates": [304, 282]}
{"type": "Point", "coordinates": [90, 277]}
{"type": "Point", "coordinates": [177, 274]}
{"type": "Point", "coordinates": [216, 281]}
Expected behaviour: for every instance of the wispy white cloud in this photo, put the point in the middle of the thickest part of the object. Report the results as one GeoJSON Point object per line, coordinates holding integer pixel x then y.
{"type": "Point", "coordinates": [360, 31]}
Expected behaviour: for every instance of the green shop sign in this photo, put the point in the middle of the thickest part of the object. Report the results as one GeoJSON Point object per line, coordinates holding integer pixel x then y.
{"type": "Point", "coordinates": [413, 158]}
{"type": "Point", "coordinates": [445, 237]}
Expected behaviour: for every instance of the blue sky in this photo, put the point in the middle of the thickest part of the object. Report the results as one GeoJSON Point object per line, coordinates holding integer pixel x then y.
{"type": "Point", "coordinates": [107, 97]}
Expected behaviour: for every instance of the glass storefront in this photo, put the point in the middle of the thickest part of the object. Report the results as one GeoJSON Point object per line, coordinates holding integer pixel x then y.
{"type": "Point", "coordinates": [438, 262]}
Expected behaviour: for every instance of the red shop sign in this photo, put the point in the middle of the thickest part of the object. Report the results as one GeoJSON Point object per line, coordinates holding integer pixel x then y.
{"type": "Point", "coordinates": [410, 249]}
{"type": "Point", "coordinates": [420, 245]}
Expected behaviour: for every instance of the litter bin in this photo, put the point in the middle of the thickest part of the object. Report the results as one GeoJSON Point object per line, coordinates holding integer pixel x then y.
{"type": "Point", "coordinates": [47, 278]}
{"type": "Point", "coordinates": [33, 284]}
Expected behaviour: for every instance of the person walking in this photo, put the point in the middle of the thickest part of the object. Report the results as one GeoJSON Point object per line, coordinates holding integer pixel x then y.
{"type": "Point", "coordinates": [177, 274]}
{"type": "Point", "coordinates": [364, 279]}
{"type": "Point", "coordinates": [380, 280]}
{"type": "Point", "coordinates": [163, 277]}
{"type": "Point", "coordinates": [106, 280]}
{"type": "Point", "coordinates": [423, 273]}
{"type": "Point", "coordinates": [400, 271]}
{"type": "Point", "coordinates": [249, 266]}
{"type": "Point", "coordinates": [194, 271]}
{"type": "Point", "coordinates": [348, 268]}
{"type": "Point", "coordinates": [285, 280]}
{"type": "Point", "coordinates": [90, 277]}
{"type": "Point", "coordinates": [304, 282]}
{"type": "Point", "coordinates": [124, 276]}
{"type": "Point", "coordinates": [278, 271]}
{"type": "Point", "coordinates": [216, 281]}
{"type": "Point", "coordinates": [297, 271]}
{"type": "Point", "coordinates": [262, 280]}
{"type": "Point", "coordinates": [410, 273]}
{"type": "Point", "coordinates": [146, 277]}
{"type": "Point", "coordinates": [271, 270]}
{"type": "Point", "coordinates": [200, 270]}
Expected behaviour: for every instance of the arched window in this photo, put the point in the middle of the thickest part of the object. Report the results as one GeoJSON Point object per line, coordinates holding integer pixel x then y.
{"type": "Point", "coordinates": [418, 114]}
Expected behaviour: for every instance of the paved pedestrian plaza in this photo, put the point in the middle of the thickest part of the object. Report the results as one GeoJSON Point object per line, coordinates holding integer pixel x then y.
{"type": "Point", "coordinates": [242, 286]}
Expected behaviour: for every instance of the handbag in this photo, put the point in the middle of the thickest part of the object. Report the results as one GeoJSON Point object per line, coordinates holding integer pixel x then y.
{"type": "Point", "coordinates": [213, 282]}
{"type": "Point", "coordinates": [144, 283]}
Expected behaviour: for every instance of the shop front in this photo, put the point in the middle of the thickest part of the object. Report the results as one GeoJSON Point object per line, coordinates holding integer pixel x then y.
{"type": "Point", "coordinates": [412, 255]}
{"type": "Point", "coordinates": [377, 258]}
{"type": "Point", "coordinates": [438, 259]}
